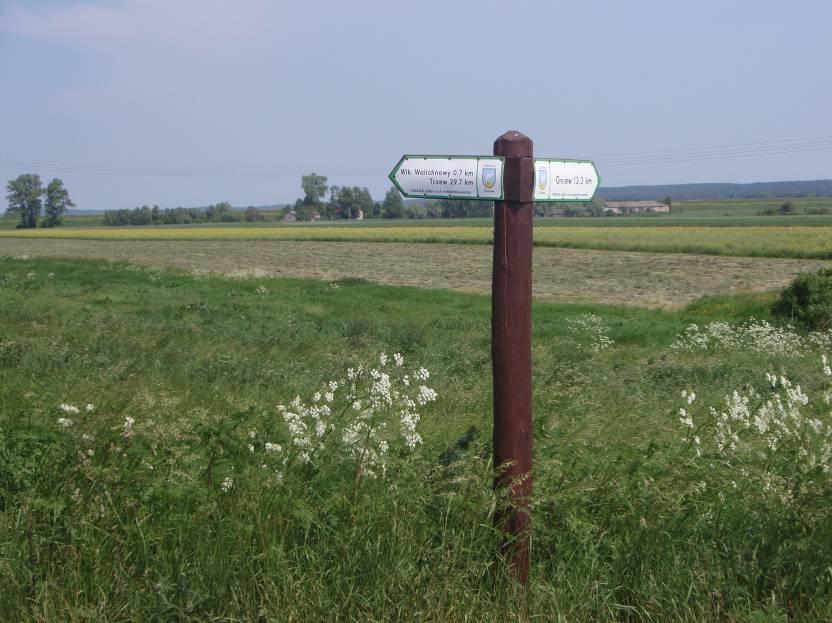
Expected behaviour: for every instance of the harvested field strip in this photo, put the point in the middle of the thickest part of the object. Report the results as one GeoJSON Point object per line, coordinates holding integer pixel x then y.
{"type": "Point", "coordinates": [562, 275]}
{"type": "Point", "coordinates": [793, 242]}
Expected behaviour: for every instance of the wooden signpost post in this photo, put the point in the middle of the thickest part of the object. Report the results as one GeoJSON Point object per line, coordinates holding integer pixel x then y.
{"type": "Point", "coordinates": [514, 180]}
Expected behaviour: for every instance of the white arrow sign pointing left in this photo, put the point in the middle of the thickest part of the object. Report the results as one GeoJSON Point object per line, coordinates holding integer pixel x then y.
{"type": "Point", "coordinates": [449, 177]}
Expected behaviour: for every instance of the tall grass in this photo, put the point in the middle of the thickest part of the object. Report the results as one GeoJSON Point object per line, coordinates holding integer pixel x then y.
{"type": "Point", "coordinates": [179, 512]}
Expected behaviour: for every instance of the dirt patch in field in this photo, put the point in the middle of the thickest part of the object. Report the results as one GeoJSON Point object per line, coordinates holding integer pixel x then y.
{"type": "Point", "coordinates": [562, 275]}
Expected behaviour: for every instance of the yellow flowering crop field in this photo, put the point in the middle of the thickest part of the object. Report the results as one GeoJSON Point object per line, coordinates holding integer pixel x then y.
{"type": "Point", "coordinates": [770, 241]}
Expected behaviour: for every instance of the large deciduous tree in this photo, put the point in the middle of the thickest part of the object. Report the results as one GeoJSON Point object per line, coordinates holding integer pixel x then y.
{"type": "Point", "coordinates": [24, 195]}
{"type": "Point", "coordinates": [314, 187]}
{"type": "Point", "coordinates": [393, 207]}
{"type": "Point", "coordinates": [57, 202]}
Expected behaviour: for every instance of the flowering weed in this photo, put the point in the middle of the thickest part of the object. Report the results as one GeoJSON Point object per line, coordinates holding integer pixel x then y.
{"type": "Point", "coordinates": [752, 335]}
{"type": "Point", "coordinates": [593, 327]}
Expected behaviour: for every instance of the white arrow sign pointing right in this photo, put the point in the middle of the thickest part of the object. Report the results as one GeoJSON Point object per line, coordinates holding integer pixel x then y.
{"type": "Point", "coordinates": [565, 180]}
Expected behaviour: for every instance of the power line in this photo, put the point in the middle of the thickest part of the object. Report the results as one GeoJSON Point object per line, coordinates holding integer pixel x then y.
{"type": "Point", "coordinates": [716, 147]}
{"type": "Point", "coordinates": [271, 172]}
{"type": "Point", "coordinates": [691, 154]}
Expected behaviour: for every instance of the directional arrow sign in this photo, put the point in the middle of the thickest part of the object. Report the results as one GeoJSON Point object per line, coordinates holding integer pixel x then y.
{"type": "Point", "coordinates": [565, 180]}
{"type": "Point", "coordinates": [449, 177]}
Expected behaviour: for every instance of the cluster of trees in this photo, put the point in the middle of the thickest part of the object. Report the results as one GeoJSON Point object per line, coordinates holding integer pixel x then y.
{"type": "Point", "coordinates": [788, 208]}
{"type": "Point", "coordinates": [347, 202]}
{"type": "Point", "coordinates": [145, 215]}
{"type": "Point", "coordinates": [440, 208]}
{"type": "Point", "coordinates": [30, 201]}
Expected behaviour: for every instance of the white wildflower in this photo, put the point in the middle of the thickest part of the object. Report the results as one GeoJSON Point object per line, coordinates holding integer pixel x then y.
{"type": "Point", "coordinates": [752, 335]}
{"type": "Point", "coordinates": [65, 422]}
{"type": "Point", "coordinates": [593, 327]}
{"type": "Point", "coordinates": [380, 408]}
{"type": "Point", "coordinates": [684, 418]}
{"type": "Point", "coordinates": [227, 484]}
{"type": "Point", "coordinates": [426, 395]}
{"type": "Point", "coordinates": [127, 428]}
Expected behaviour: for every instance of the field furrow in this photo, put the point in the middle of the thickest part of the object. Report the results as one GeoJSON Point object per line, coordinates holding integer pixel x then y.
{"type": "Point", "coordinates": [563, 275]}
{"type": "Point", "coordinates": [810, 242]}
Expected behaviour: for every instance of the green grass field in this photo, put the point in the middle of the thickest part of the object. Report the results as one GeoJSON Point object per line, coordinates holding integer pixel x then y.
{"type": "Point", "coordinates": [715, 208]}
{"type": "Point", "coordinates": [179, 514]}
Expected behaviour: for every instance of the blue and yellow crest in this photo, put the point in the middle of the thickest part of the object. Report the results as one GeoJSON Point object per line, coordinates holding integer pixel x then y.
{"type": "Point", "coordinates": [542, 178]}
{"type": "Point", "coordinates": [489, 176]}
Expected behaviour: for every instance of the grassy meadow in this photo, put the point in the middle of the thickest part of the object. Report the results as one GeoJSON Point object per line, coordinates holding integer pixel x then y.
{"type": "Point", "coordinates": [766, 241]}
{"type": "Point", "coordinates": [147, 473]}
{"type": "Point", "coordinates": [666, 280]}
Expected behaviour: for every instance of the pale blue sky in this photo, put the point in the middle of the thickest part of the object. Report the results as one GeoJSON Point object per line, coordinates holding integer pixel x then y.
{"type": "Point", "coordinates": [180, 90]}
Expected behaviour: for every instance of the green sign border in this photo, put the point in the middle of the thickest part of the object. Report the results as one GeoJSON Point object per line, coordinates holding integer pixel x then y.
{"type": "Point", "coordinates": [594, 168]}
{"type": "Point", "coordinates": [392, 175]}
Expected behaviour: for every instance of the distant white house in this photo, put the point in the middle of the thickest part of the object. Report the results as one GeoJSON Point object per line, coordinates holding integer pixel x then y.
{"type": "Point", "coordinates": [292, 217]}
{"type": "Point", "coordinates": [635, 207]}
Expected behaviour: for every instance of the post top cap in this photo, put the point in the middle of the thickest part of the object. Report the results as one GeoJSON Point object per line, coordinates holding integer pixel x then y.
{"type": "Point", "coordinates": [513, 143]}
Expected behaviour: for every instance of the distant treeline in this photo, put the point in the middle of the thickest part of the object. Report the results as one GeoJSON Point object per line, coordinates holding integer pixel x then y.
{"type": "Point", "coordinates": [449, 208]}
{"type": "Point", "coordinates": [685, 192]}
{"type": "Point", "coordinates": [145, 215]}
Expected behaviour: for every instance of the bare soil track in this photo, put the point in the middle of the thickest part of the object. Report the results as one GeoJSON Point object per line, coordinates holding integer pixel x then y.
{"type": "Point", "coordinates": [560, 275]}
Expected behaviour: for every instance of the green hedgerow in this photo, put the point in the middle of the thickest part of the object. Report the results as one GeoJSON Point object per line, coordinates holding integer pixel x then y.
{"type": "Point", "coordinates": [807, 301]}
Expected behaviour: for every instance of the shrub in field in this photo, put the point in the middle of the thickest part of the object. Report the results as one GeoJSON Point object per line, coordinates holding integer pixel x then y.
{"type": "Point", "coordinates": [807, 301]}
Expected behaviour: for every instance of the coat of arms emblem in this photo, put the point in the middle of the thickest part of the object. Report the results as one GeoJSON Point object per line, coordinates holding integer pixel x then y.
{"type": "Point", "coordinates": [489, 176]}
{"type": "Point", "coordinates": [542, 178]}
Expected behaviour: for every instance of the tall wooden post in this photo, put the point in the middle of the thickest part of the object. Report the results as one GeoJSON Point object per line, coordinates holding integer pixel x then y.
{"type": "Point", "coordinates": [511, 329]}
